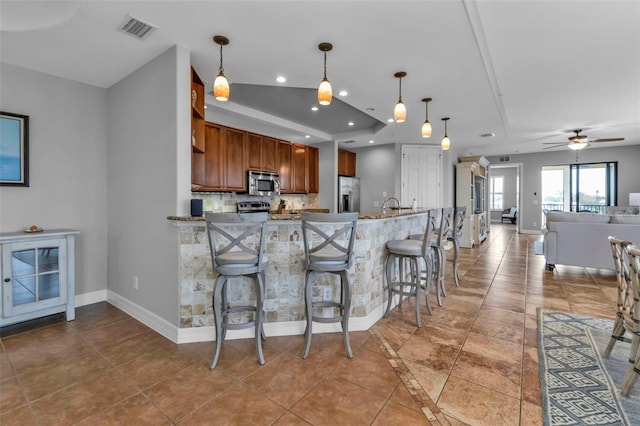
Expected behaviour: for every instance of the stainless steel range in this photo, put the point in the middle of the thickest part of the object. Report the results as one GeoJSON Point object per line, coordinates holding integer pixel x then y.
{"type": "Point", "coordinates": [253, 206]}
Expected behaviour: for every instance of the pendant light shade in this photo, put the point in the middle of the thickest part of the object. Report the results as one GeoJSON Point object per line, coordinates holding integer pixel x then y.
{"type": "Point", "coordinates": [446, 143]}
{"type": "Point", "coordinates": [400, 111]}
{"type": "Point", "coordinates": [426, 126]}
{"type": "Point", "coordinates": [325, 93]}
{"type": "Point", "coordinates": [220, 84]}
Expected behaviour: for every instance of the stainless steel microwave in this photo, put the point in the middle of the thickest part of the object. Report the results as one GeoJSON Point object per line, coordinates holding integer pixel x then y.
{"type": "Point", "coordinates": [263, 183]}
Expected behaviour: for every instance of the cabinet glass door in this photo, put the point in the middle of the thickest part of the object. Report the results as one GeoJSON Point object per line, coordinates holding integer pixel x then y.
{"type": "Point", "coordinates": [36, 270]}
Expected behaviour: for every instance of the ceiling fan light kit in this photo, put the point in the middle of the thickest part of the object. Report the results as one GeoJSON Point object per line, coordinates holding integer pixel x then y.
{"type": "Point", "coordinates": [221, 84]}
{"type": "Point", "coordinates": [325, 93]}
{"type": "Point", "coordinates": [578, 141]}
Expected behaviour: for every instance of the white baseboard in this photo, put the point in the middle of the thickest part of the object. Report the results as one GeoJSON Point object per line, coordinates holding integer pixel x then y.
{"type": "Point", "coordinates": [90, 298]}
{"type": "Point", "coordinates": [207, 334]}
{"type": "Point", "coordinates": [531, 231]}
{"type": "Point", "coordinates": [148, 318]}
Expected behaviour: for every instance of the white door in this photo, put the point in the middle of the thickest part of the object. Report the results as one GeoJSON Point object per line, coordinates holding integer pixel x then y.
{"type": "Point", "coordinates": [422, 176]}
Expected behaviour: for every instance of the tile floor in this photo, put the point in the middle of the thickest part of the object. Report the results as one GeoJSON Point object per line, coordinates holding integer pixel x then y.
{"type": "Point", "coordinates": [473, 362]}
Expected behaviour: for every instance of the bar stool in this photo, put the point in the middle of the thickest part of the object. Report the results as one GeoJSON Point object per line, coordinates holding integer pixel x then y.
{"type": "Point", "coordinates": [632, 320]}
{"type": "Point", "coordinates": [625, 299]}
{"type": "Point", "coordinates": [414, 252]}
{"type": "Point", "coordinates": [454, 236]}
{"type": "Point", "coordinates": [237, 243]}
{"type": "Point", "coordinates": [328, 248]}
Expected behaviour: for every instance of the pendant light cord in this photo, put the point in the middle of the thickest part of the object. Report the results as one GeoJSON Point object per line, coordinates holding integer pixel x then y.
{"type": "Point", "coordinates": [400, 89]}
{"type": "Point", "coordinates": [221, 69]}
{"type": "Point", "coordinates": [325, 64]}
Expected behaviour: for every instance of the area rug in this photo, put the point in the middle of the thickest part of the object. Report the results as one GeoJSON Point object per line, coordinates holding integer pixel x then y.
{"type": "Point", "coordinates": [579, 386]}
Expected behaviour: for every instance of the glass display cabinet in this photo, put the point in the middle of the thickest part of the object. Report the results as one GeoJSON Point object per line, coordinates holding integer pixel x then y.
{"type": "Point", "coordinates": [37, 274]}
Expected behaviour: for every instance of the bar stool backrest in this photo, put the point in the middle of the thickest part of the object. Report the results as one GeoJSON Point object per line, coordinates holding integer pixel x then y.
{"type": "Point", "coordinates": [632, 319]}
{"type": "Point", "coordinates": [446, 225]}
{"type": "Point", "coordinates": [433, 222]}
{"type": "Point", "coordinates": [458, 221]}
{"type": "Point", "coordinates": [621, 264]}
{"type": "Point", "coordinates": [328, 240]}
{"type": "Point", "coordinates": [237, 242]}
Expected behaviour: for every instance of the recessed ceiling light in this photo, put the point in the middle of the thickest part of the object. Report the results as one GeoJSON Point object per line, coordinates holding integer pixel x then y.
{"type": "Point", "coordinates": [307, 136]}
{"type": "Point", "coordinates": [205, 107]}
{"type": "Point", "coordinates": [281, 79]}
{"type": "Point", "coordinates": [371, 141]}
{"type": "Point", "coordinates": [314, 108]}
{"type": "Point", "coordinates": [351, 123]}
{"type": "Point", "coordinates": [343, 93]}
{"type": "Point", "coordinates": [390, 120]}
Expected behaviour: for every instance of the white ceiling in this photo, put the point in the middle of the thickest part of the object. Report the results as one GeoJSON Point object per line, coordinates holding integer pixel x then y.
{"type": "Point", "coordinates": [529, 71]}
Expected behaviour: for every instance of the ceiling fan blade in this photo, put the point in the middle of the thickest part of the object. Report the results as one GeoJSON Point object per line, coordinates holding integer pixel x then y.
{"type": "Point", "coordinates": [555, 146]}
{"type": "Point", "coordinates": [607, 140]}
{"type": "Point", "coordinates": [555, 143]}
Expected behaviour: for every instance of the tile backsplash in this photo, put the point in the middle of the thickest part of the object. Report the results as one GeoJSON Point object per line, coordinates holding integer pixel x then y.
{"type": "Point", "coordinates": [226, 202]}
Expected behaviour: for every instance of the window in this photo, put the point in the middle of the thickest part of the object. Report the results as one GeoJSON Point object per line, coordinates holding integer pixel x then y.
{"type": "Point", "coordinates": [589, 187]}
{"type": "Point", "coordinates": [496, 193]}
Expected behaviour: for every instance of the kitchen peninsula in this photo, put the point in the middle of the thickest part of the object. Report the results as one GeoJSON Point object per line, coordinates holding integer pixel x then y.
{"type": "Point", "coordinates": [284, 301]}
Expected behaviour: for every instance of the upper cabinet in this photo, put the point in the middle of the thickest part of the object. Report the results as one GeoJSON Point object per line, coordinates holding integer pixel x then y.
{"type": "Point", "coordinates": [262, 153]}
{"type": "Point", "coordinates": [197, 131]}
{"type": "Point", "coordinates": [346, 163]}
{"type": "Point", "coordinates": [313, 169]}
{"type": "Point", "coordinates": [221, 155]}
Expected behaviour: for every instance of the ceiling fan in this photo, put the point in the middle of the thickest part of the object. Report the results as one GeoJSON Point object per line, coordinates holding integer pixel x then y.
{"type": "Point", "coordinates": [578, 141]}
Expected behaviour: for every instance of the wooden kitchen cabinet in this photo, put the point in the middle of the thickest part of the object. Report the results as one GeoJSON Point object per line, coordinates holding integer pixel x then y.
{"type": "Point", "coordinates": [313, 170]}
{"type": "Point", "coordinates": [225, 161]}
{"type": "Point", "coordinates": [285, 167]}
{"type": "Point", "coordinates": [236, 164]}
{"type": "Point", "coordinates": [197, 130]}
{"type": "Point", "coordinates": [262, 153]}
{"type": "Point", "coordinates": [346, 163]}
{"type": "Point", "coordinates": [299, 168]}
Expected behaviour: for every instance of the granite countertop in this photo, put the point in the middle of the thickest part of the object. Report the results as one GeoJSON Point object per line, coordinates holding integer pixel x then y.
{"type": "Point", "coordinates": [290, 216]}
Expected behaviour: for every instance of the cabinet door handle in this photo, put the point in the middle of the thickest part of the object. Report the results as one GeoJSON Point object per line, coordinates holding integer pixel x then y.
{"type": "Point", "coordinates": [6, 280]}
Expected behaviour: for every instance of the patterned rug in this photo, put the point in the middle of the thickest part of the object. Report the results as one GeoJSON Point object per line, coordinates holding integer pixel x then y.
{"type": "Point", "coordinates": [579, 387]}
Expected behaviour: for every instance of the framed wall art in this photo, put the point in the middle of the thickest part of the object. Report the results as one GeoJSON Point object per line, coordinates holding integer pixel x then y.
{"type": "Point", "coordinates": [14, 149]}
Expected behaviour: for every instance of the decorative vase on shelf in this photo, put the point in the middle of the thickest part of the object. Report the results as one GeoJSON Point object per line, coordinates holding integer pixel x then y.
{"type": "Point", "coordinates": [194, 98]}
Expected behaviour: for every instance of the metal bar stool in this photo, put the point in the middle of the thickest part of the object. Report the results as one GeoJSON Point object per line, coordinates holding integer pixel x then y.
{"type": "Point", "coordinates": [454, 236]}
{"type": "Point", "coordinates": [328, 248]}
{"type": "Point", "coordinates": [414, 252]}
{"type": "Point", "coordinates": [237, 243]}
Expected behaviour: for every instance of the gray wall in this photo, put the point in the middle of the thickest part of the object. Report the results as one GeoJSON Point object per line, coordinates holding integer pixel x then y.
{"type": "Point", "coordinates": [147, 161]}
{"type": "Point", "coordinates": [375, 167]}
{"type": "Point", "coordinates": [628, 159]}
{"type": "Point", "coordinates": [67, 165]}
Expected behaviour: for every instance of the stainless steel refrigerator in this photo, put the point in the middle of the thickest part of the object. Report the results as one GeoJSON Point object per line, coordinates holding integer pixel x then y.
{"type": "Point", "coordinates": [348, 194]}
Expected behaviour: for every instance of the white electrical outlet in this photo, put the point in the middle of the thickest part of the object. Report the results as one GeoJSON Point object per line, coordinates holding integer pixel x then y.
{"type": "Point", "coordinates": [135, 282]}
{"type": "Point", "coordinates": [327, 294]}
{"type": "Point", "coordinates": [384, 193]}
{"type": "Point", "coordinates": [535, 223]}
{"type": "Point", "coordinates": [376, 204]}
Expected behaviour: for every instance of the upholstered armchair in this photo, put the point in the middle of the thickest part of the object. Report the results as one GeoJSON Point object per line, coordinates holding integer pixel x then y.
{"type": "Point", "coordinates": [510, 214]}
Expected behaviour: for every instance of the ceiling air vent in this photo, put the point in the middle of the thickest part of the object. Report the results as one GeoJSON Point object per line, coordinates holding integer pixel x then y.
{"type": "Point", "coordinates": [349, 142]}
{"type": "Point", "coordinates": [505, 159]}
{"type": "Point", "coordinates": [137, 28]}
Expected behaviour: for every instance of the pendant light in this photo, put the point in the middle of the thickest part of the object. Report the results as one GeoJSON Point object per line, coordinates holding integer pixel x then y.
{"type": "Point", "coordinates": [426, 126]}
{"type": "Point", "coordinates": [446, 143]}
{"type": "Point", "coordinates": [400, 111]}
{"type": "Point", "coordinates": [324, 90]}
{"type": "Point", "coordinates": [220, 84]}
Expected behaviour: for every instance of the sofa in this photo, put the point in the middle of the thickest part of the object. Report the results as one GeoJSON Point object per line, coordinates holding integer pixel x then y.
{"type": "Point", "coordinates": [581, 239]}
